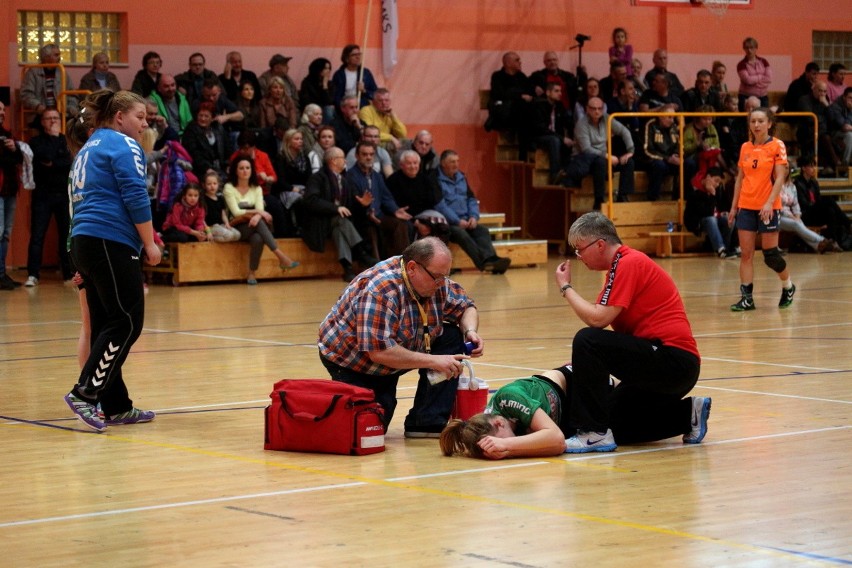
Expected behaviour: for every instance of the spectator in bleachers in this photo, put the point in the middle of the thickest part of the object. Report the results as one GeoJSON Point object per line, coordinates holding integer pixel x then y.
{"type": "Point", "coordinates": [661, 61]}
{"type": "Point", "coordinates": [819, 210]}
{"type": "Point", "coordinates": [835, 81]}
{"type": "Point", "coordinates": [551, 73]}
{"type": "Point", "coordinates": [348, 80]}
{"type": "Point", "coordinates": [326, 213]}
{"type": "Point", "coordinates": [510, 96]}
{"type": "Point", "coordinates": [234, 78]}
{"type": "Point", "coordinates": [659, 95]}
{"type": "Point", "coordinates": [840, 127]}
{"type": "Point", "coordinates": [185, 221]}
{"type": "Point", "coordinates": [706, 212]}
{"type": "Point", "coordinates": [461, 209]}
{"type": "Point", "coordinates": [590, 153]}
{"type": "Point", "coordinates": [638, 79]}
{"type": "Point", "coordinates": [249, 104]}
{"type": "Point", "coordinates": [817, 102]}
{"type": "Point", "coordinates": [325, 142]}
{"type": "Point", "coordinates": [591, 89]}
{"type": "Point", "coordinates": [755, 75]}
{"type": "Point", "coordinates": [378, 113]}
{"type": "Point", "coordinates": [277, 104]}
{"type": "Point", "coordinates": [318, 89]}
{"type": "Point", "coordinates": [51, 166]}
{"type": "Point", "coordinates": [41, 86]}
{"type": "Point", "coordinates": [225, 112]}
{"type": "Point", "coordinates": [347, 125]}
{"type": "Point", "coordinates": [733, 130]}
{"type": "Point", "coordinates": [621, 51]}
{"type": "Point", "coordinates": [171, 104]}
{"type": "Point", "coordinates": [382, 162]}
{"type": "Point", "coordinates": [717, 77]}
{"type": "Point", "coordinates": [701, 147]}
{"type": "Point", "coordinates": [378, 208]}
{"type": "Point", "coordinates": [191, 81]}
{"type": "Point", "coordinates": [702, 94]}
{"type": "Point", "coordinates": [146, 79]}
{"type": "Point", "coordinates": [279, 66]}
{"type": "Point", "coordinates": [801, 86]}
{"type": "Point", "coordinates": [263, 166]}
{"type": "Point", "coordinates": [552, 128]}
{"type": "Point", "coordinates": [791, 220]}
{"type": "Point", "coordinates": [244, 198]}
{"type": "Point", "coordinates": [157, 122]}
{"type": "Point", "coordinates": [423, 145]}
{"type": "Point", "coordinates": [627, 101]}
{"type": "Point", "coordinates": [293, 164]}
{"type": "Point", "coordinates": [309, 125]}
{"type": "Point", "coordinates": [100, 77]}
{"type": "Point", "coordinates": [216, 211]}
{"type": "Point", "coordinates": [415, 190]}
{"type": "Point", "coordinates": [10, 158]}
{"type": "Point", "coordinates": [609, 84]}
{"type": "Point", "coordinates": [660, 151]}
{"type": "Point", "coordinates": [206, 142]}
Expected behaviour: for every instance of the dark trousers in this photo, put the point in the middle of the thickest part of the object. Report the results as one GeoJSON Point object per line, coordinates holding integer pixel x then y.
{"type": "Point", "coordinates": [587, 163]}
{"type": "Point", "coordinates": [556, 152]}
{"type": "Point", "coordinates": [657, 172]}
{"type": "Point", "coordinates": [175, 235]}
{"type": "Point", "coordinates": [476, 243]}
{"type": "Point", "coordinates": [112, 278]}
{"type": "Point", "coordinates": [432, 403]}
{"type": "Point", "coordinates": [44, 206]}
{"type": "Point", "coordinates": [648, 404]}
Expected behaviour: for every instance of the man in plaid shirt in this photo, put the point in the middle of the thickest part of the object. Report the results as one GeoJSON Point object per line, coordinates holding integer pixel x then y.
{"type": "Point", "coordinates": [376, 332]}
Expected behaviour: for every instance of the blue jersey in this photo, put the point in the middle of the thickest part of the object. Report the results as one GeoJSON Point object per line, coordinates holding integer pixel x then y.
{"type": "Point", "coordinates": [109, 196]}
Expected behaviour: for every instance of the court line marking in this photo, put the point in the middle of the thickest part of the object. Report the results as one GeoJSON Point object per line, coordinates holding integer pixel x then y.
{"type": "Point", "coordinates": [359, 481]}
{"type": "Point", "coordinates": [768, 364]}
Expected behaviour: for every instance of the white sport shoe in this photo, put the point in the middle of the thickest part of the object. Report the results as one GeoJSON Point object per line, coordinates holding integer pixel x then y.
{"type": "Point", "coordinates": [584, 442]}
{"type": "Point", "coordinates": [31, 281]}
{"type": "Point", "coordinates": [700, 414]}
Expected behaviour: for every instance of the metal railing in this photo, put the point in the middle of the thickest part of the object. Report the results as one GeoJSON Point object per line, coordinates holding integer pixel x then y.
{"type": "Point", "coordinates": [679, 116]}
{"type": "Point", "coordinates": [61, 96]}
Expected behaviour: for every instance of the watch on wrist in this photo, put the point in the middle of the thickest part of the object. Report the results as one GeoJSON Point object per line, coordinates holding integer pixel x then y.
{"type": "Point", "coordinates": [564, 288]}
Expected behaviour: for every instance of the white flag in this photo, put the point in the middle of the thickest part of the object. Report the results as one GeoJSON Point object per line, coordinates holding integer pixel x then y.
{"type": "Point", "coordinates": [390, 35]}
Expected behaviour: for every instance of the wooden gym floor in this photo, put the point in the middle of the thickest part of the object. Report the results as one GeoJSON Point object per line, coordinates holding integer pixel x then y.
{"type": "Point", "coordinates": [770, 486]}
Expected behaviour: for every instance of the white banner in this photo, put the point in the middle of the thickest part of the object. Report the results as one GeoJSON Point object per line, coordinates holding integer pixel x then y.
{"type": "Point", "coordinates": [390, 35]}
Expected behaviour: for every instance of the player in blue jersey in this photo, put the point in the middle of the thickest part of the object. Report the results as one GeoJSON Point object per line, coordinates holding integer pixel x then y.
{"type": "Point", "coordinates": [111, 233]}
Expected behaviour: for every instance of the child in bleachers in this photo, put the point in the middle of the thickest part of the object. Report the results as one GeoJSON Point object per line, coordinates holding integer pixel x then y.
{"type": "Point", "coordinates": [216, 217]}
{"type": "Point", "coordinates": [622, 51]}
{"type": "Point", "coordinates": [185, 221]}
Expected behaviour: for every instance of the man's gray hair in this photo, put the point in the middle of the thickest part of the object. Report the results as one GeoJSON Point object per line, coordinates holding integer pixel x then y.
{"type": "Point", "coordinates": [593, 225]}
{"type": "Point", "coordinates": [408, 154]}
{"type": "Point", "coordinates": [422, 251]}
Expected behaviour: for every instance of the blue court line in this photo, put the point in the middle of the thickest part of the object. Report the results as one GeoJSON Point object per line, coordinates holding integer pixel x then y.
{"type": "Point", "coordinates": [812, 556]}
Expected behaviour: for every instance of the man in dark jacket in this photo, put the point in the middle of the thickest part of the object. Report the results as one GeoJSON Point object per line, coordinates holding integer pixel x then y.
{"type": "Point", "coordinates": [51, 164]}
{"type": "Point", "coordinates": [325, 213]}
{"type": "Point", "coordinates": [10, 158]}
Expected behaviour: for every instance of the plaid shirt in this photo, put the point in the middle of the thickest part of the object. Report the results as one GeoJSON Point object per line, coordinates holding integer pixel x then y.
{"type": "Point", "coordinates": [376, 312]}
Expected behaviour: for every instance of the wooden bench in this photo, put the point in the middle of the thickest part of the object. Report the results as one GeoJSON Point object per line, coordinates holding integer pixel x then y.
{"type": "Point", "coordinates": [187, 263]}
{"type": "Point", "coordinates": [664, 241]}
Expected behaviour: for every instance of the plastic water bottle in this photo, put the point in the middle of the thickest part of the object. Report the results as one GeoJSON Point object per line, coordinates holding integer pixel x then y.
{"type": "Point", "coordinates": [670, 227]}
{"type": "Point", "coordinates": [435, 377]}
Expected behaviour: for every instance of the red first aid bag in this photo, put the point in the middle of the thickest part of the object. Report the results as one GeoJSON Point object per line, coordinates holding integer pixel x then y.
{"type": "Point", "coordinates": [471, 396]}
{"type": "Point", "coordinates": [325, 416]}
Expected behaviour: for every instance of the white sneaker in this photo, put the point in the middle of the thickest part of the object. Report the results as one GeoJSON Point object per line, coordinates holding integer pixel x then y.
{"type": "Point", "coordinates": [700, 414]}
{"type": "Point", "coordinates": [584, 442]}
{"type": "Point", "coordinates": [31, 281]}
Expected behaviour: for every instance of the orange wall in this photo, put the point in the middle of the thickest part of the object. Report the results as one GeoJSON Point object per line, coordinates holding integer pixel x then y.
{"type": "Point", "coordinates": [447, 50]}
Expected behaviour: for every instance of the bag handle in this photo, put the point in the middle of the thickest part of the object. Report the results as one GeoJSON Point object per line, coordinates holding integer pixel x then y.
{"type": "Point", "coordinates": [306, 416]}
{"type": "Point", "coordinates": [470, 382]}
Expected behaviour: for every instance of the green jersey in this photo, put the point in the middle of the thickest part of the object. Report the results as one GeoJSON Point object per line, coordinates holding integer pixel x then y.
{"type": "Point", "coordinates": [521, 398]}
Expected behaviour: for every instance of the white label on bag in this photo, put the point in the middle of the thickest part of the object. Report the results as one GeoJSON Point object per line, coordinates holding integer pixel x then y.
{"type": "Point", "coordinates": [373, 441]}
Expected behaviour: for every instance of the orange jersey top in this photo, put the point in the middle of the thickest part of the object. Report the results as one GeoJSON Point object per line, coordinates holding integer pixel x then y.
{"type": "Point", "coordinates": [758, 166]}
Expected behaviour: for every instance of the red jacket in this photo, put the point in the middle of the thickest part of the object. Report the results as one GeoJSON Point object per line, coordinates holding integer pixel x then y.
{"type": "Point", "coordinates": [185, 218]}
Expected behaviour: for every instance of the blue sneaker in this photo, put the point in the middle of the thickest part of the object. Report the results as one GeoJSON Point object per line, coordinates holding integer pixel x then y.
{"type": "Point", "coordinates": [584, 442]}
{"type": "Point", "coordinates": [86, 412]}
{"type": "Point", "coordinates": [132, 416]}
{"type": "Point", "coordinates": [700, 414]}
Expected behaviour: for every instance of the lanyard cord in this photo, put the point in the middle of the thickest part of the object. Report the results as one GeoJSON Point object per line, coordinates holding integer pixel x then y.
{"type": "Point", "coordinates": [427, 340]}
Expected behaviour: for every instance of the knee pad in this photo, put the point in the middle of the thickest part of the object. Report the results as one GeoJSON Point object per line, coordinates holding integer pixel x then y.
{"type": "Point", "coordinates": [774, 260]}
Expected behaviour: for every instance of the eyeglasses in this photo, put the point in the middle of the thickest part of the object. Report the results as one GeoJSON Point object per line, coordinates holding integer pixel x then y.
{"type": "Point", "coordinates": [439, 279]}
{"type": "Point", "coordinates": [579, 251]}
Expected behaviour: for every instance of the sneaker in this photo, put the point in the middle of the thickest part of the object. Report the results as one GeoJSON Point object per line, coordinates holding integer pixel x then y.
{"type": "Point", "coordinates": [787, 297]}
{"type": "Point", "coordinates": [425, 432]}
{"type": "Point", "coordinates": [745, 304]}
{"type": "Point", "coordinates": [86, 412]}
{"type": "Point", "coordinates": [7, 280]}
{"type": "Point", "coordinates": [132, 416]}
{"type": "Point", "coordinates": [700, 414]}
{"type": "Point", "coordinates": [722, 253]}
{"type": "Point", "coordinates": [584, 442]}
{"type": "Point", "coordinates": [31, 281]}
